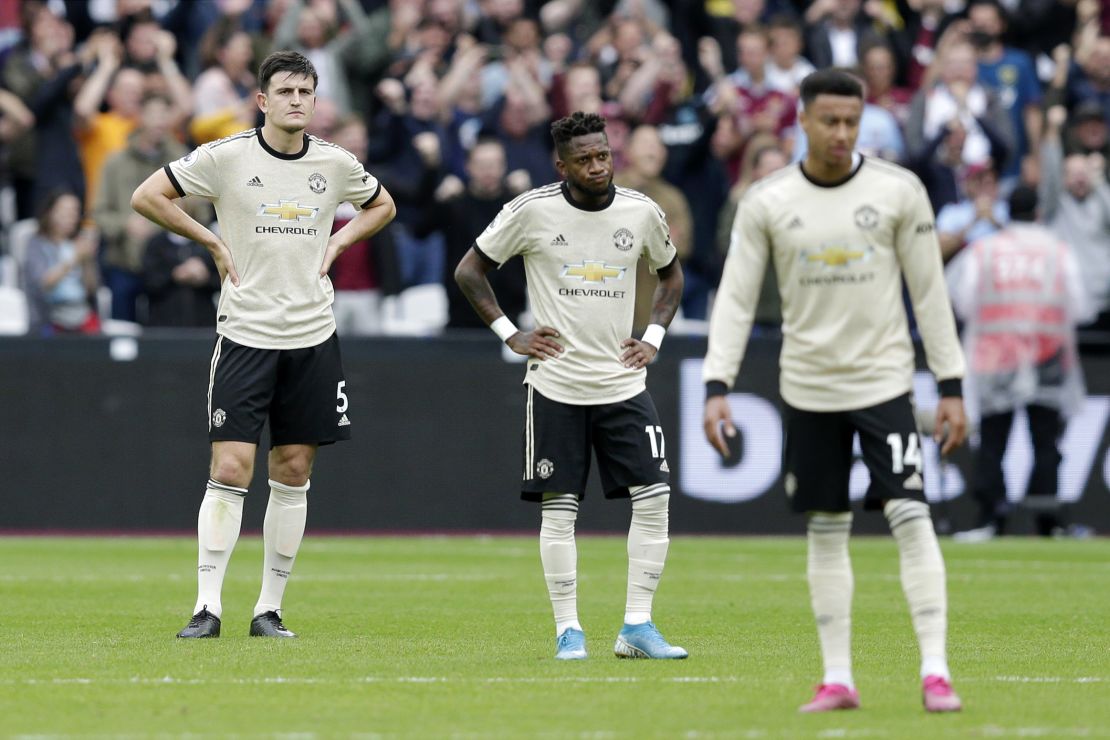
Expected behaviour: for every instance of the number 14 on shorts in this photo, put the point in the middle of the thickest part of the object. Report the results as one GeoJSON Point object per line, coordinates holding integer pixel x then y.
{"type": "Point", "coordinates": [899, 458]}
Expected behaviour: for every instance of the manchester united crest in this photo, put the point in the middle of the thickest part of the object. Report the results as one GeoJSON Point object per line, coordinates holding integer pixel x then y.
{"type": "Point", "coordinates": [867, 218]}
{"type": "Point", "coordinates": [623, 239]}
{"type": "Point", "coordinates": [317, 183]}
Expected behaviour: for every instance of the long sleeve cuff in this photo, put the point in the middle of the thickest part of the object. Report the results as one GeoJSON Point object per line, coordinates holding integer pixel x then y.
{"type": "Point", "coordinates": [715, 388]}
{"type": "Point", "coordinates": [950, 388]}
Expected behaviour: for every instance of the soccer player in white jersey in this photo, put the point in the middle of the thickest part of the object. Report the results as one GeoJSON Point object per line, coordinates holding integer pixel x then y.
{"type": "Point", "coordinates": [275, 190]}
{"type": "Point", "coordinates": [585, 380]}
{"type": "Point", "coordinates": [843, 232]}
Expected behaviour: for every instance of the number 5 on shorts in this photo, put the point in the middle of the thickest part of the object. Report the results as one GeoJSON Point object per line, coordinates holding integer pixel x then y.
{"type": "Point", "coordinates": [340, 398]}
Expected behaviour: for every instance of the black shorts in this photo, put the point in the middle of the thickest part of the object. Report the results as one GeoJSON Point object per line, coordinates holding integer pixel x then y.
{"type": "Point", "coordinates": [626, 437]}
{"type": "Point", "coordinates": [301, 390]}
{"type": "Point", "coordinates": [817, 455]}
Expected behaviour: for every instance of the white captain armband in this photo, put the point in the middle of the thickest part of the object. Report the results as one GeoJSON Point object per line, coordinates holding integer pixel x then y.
{"type": "Point", "coordinates": [503, 327]}
{"type": "Point", "coordinates": [653, 335]}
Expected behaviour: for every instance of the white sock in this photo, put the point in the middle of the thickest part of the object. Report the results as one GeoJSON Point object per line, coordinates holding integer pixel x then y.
{"type": "Point", "coordinates": [829, 571]}
{"type": "Point", "coordinates": [282, 532]}
{"type": "Point", "coordinates": [647, 549]}
{"type": "Point", "coordinates": [221, 514]}
{"type": "Point", "coordinates": [923, 580]}
{"type": "Point", "coordinates": [559, 556]}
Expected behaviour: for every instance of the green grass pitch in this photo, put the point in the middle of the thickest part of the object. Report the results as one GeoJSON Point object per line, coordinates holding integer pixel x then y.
{"type": "Point", "coordinates": [452, 637]}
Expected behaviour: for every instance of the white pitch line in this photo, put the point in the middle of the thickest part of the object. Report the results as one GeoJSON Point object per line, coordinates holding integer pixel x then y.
{"type": "Point", "coordinates": [301, 680]}
{"type": "Point", "coordinates": [297, 680]}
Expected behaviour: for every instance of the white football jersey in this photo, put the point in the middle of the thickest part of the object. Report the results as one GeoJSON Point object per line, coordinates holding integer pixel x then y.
{"type": "Point", "coordinates": [275, 212]}
{"type": "Point", "coordinates": [841, 253]}
{"type": "Point", "coordinates": [581, 270]}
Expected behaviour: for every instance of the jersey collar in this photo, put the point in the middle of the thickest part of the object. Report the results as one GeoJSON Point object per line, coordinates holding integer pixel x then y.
{"type": "Point", "coordinates": [857, 162]}
{"type": "Point", "coordinates": [608, 201]}
{"type": "Point", "coordinates": [281, 155]}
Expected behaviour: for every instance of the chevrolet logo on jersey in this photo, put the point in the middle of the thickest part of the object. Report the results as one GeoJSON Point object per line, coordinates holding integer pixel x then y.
{"type": "Point", "coordinates": [591, 271]}
{"type": "Point", "coordinates": [287, 210]}
{"type": "Point", "coordinates": [836, 256]}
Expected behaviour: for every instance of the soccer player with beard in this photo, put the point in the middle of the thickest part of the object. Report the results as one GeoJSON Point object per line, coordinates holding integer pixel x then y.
{"type": "Point", "coordinates": [276, 190]}
{"type": "Point", "coordinates": [585, 381]}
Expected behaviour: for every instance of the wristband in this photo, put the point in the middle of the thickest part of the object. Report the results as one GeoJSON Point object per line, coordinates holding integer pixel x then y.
{"type": "Point", "coordinates": [503, 327]}
{"type": "Point", "coordinates": [653, 335]}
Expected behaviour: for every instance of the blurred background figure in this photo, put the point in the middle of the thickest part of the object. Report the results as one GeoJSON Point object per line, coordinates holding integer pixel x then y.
{"type": "Point", "coordinates": [647, 157]}
{"type": "Point", "coordinates": [124, 232]}
{"type": "Point", "coordinates": [461, 211]}
{"type": "Point", "coordinates": [356, 274]}
{"type": "Point", "coordinates": [957, 94]}
{"type": "Point", "coordinates": [223, 95]}
{"type": "Point", "coordinates": [1075, 201]}
{"type": "Point", "coordinates": [60, 275]}
{"type": "Point", "coordinates": [763, 158]}
{"type": "Point", "coordinates": [1020, 294]}
{"type": "Point", "coordinates": [980, 212]}
{"type": "Point", "coordinates": [180, 279]}
{"type": "Point", "coordinates": [1010, 74]}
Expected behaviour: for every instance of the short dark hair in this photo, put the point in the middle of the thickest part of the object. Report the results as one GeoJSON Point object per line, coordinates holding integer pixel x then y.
{"type": "Point", "coordinates": [285, 61]}
{"type": "Point", "coordinates": [1023, 204]}
{"type": "Point", "coordinates": [46, 206]}
{"type": "Point", "coordinates": [999, 8]}
{"type": "Point", "coordinates": [830, 81]}
{"type": "Point", "coordinates": [576, 124]}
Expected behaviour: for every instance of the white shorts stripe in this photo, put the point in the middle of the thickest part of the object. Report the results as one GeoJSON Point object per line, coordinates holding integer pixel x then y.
{"type": "Point", "coordinates": [529, 434]}
{"type": "Point", "coordinates": [212, 375]}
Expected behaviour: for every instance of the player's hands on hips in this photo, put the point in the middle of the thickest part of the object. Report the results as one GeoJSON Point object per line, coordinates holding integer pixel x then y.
{"type": "Point", "coordinates": [224, 262]}
{"type": "Point", "coordinates": [718, 423]}
{"type": "Point", "coordinates": [637, 354]}
{"type": "Point", "coordinates": [951, 427]}
{"type": "Point", "coordinates": [330, 255]}
{"type": "Point", "coordinates": [540, 343]}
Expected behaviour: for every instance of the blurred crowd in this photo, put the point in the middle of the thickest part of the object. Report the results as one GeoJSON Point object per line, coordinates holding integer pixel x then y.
{"type": "Point", "coordinates": [449, 102]}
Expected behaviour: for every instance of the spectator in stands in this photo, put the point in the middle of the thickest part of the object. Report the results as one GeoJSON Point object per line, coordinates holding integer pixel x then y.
{"type": "Point", "coordinates": [924, 28]}
{"type": "Point", "coordinates": [223, 95]}
{"type": "Point", "coordinates": [124, 232]}
{"type": "Point", "coordinates": [644, 172]}
{"type": "Point", "coordinates": [1089, 130]}
{"type": "Point", "coordinates": [1020, 294]}
{"type": "Point", "coordinates": [940, 164]}
{"type": "Point", "coordinates": [764, 156]}
{"type": "Point", "coordinates": [841, 29]}
{"type": "Point", "coordinates": [407, 151]}
{"type": "Point", "coordinates": [179, 277]}
{"type": "Point", "coordinates": [356, 274]}
{"type": "Point", "coordinates": [746, 105]}
{"type": "Point", "coordinates": [687, 128]}
{"type": "Point", "coordinates": [102, 133]}
{"type": "Point", "coordinates": [314, 30]}
{"type": "Point", "coordinates": [722, 24]}
{"type": "Point", "coordinates": [462, 212]}
{"type": "Point", "coordinates": [56, 163]}
{"type": "Point", "coordinates": [879, 68]}
{"type": "Point", "coordinates": [1010, 74]}
{"type": "Point", "coordinates": [957, 94]}
{"type": "Point", "coordinates": [1089, 75]}
{"type": "Point", "coordinates": [521, 119]}
{"type": "Point", "coordinates": [786, 67]}
{"type": "Point", "coordinates": [979, 214]}
{"type": "Point", "coordinates": [59, 274]}
{"type": "Point", "coordinates": [1075, 203]}
{"type": "Point", "coordinates": [26, 69]}
{"type": "Point", "coordinates": [497, 17]}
